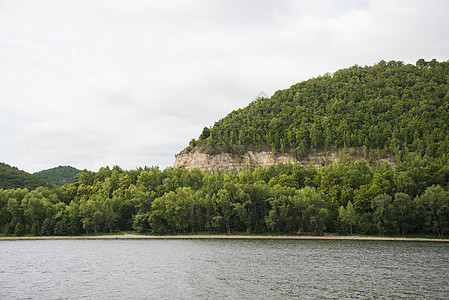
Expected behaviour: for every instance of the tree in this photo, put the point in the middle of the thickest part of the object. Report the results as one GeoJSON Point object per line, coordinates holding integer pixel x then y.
{"type": "Point", "coordinates": [15, 210]}
{"type": "Point", "coordinates": [47, 227]}
{"type": "Point", "coordinates": [348, 216]}
{"type": "Point", "coordinates": [404, 210]}
{"type": "Point", "coordinates": [224, 208]}
{"type": "Point", "coordinates": [282, 216]}
{"type": "Point", "coordinates": [382, 208]}
{"type": "Point", "coordinates": [141, 222]}
{"type": "Point", "coordinates": [434, 202]}
{"type": "Point", "coordinates": [93, 213]}
{"type": "Point", "coordinates": [36, 208]}
{"type": "Point", "coordinates": [111, 208]}
{"type": "Point", "coordinates": [18, 231]}
{"type": "Point", "coordinates": [74, 224]}
{"type": "Point", "coordinates": [312, 211]}
{"type": "Point", "coordinates": [205, 134]}
{"type": "Point", "coordinates": [173, 212]}
{"type": "Point", "coordinates": [405, 184]}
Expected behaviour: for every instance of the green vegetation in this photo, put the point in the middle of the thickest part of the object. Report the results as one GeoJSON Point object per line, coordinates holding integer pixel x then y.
{"type": "Point", "coordinates": [351, 197]}
{"type": "Point", "coordinates": [391, 106]}
{"type": "Point", "coordinates": [388, 108]}
{"type": "Point", "coordinates": [59, 175]}
{"type": "Point", "coordinates": [12, 178]}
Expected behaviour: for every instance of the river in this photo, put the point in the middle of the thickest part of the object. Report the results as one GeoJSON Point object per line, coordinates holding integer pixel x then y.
{"type": "Point", "coordinates": [223, 269]}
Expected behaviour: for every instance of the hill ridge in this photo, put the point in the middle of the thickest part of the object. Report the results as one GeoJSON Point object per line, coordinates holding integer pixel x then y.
{"type": "Point", "coordinates": [394, 107]}
{"type": "Point", "coordinates": [58, 175]}
{"type": "Point", "coordinates": [13, 178]}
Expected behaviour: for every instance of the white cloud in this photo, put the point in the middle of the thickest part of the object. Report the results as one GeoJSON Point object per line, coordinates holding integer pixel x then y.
{"type": "Point", "coordinates": [129, 83]}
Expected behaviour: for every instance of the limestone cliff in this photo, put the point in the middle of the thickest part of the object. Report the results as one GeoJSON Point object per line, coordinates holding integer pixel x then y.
{"type": "Point", "coordinates": [196, 158]}
{"type": "Point", "coordinates": [226, 161]}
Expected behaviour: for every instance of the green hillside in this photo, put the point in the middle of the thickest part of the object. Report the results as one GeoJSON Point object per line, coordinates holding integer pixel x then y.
{"type": "Point", "coordinates": [13, 178]}
{"type": "Point", "coordinates": [390, 106]}
{"type": "Point", "coordinates": [59, 175]}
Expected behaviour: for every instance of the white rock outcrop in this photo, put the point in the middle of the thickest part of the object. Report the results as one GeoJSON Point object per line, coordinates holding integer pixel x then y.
{"type": "Point", "coordinates": [195, 158]}
{"type": "Point", "coordinates": [226, 161]}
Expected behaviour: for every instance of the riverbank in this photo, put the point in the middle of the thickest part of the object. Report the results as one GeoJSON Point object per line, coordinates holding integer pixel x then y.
{"type": "Point", "coordinates": [274, 237]}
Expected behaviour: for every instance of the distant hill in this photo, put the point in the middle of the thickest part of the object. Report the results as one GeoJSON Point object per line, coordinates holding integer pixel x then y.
{"type": "Point", "coordinates": [13, 178]}
{"type": "Point", "coordinates": [59, 175]}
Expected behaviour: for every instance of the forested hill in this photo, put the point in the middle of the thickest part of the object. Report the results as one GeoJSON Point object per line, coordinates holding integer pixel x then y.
{"type": "Point", "coordinates": [13, 178]}
{"type": "Point", "coordinates": [59, 175]}
{"type": "Point", "coordinates": [391, 106]}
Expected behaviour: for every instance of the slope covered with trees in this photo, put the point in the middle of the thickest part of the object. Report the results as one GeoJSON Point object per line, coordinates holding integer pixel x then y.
{"type": "Point", "coordinates": [59, 175]}
{"type": "Point", "coordinates": [395, 107]}
{"type": "Point", "coordinates": [12, 178]}
{"type": "Point", "coordinates": [390, 107]}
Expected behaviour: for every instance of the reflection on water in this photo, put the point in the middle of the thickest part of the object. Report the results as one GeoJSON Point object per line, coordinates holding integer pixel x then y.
{"type": "Point", "coordinates": [216, 269]}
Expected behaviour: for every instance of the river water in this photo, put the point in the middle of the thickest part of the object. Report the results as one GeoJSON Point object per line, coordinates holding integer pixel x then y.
{"type": "Point", "coordinates": [223, 269]}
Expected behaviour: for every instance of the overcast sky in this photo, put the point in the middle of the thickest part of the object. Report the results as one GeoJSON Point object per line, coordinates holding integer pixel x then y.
{"type": "Point", "coordinates": [92, 83]}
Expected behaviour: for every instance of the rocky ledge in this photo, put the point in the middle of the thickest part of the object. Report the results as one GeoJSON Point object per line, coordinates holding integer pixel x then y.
{"type": "Point", "coordinates": [226, 161]}
{"type": "Point", "coordinates": [196, 158]}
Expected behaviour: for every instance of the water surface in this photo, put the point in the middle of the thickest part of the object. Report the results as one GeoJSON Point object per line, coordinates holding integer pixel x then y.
{"type": "Point", "coordinates": [223, 269]}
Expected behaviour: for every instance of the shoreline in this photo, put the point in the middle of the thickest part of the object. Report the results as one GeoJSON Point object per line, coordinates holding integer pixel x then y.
{"type": "Point", "coordinates": [273, 237]}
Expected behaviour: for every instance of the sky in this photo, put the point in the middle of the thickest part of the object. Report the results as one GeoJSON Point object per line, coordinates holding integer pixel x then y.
{"type": "Point", "coordinates": [96, 83]}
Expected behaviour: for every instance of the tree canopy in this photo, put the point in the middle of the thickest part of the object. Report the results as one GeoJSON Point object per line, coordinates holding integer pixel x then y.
{"type": "Point", "coordinates": [391, 106]}
{"type": "Point", "coordinates": [350, 197]}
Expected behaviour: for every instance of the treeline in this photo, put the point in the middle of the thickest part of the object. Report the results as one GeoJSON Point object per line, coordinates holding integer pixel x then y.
{"type": "Point", "coordinates": [348, 197]}
{"type": "Point", "coordinates": [396, 107]}
{"type": "Point", "coordinates": [12, 178]}
{"type": "Point", "coordinates": [387, 108]}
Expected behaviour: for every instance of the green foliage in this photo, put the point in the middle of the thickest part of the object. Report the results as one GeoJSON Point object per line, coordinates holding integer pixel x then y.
{"type": "Point", "coordinates": [348, 217]}
{"type": "Point", "coordinates": [382, 207]}
{"type": "Point", "coordinates": [390, 106]}
{"type": "Point", "coordinates": [352, 197]}
{"type": "Point", "coordinates": [59, 175]}
{"type": "Point", "coordinates": [434, 202]}
{"type": "Point", "coordinates": [193, 143]}
{"type": "Point", "coordinates": [12, 178]}
{"type": "Point", "coordinates": [205, 134]}
{"type": "Point", "coordinates": [404, 212]}
{"type": "Point", "coordinates": [18, 231]}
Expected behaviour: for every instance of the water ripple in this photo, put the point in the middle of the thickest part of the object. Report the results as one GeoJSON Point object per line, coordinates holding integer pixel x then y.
{"type": "Point", "coordinates": [223, 269]}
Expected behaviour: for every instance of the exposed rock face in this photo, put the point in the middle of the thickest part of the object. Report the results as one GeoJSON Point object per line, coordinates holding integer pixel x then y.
{"type": "Point", "coordinates": [226, 161]}
{"type": "Point", "coordinates": [195, 158]}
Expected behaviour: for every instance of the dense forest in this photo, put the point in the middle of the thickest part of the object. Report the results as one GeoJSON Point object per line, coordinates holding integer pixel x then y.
{"type": "Point", "coordinates": [349, 197]}
{"type": "Point", "coordinates": [59, 175]}
{"type": "Point", "coordinates": [12, 178]}
{"type": "Point", "coordinates": [388, 108]}
{"type": "Point", "coordinates": [391, 106]}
